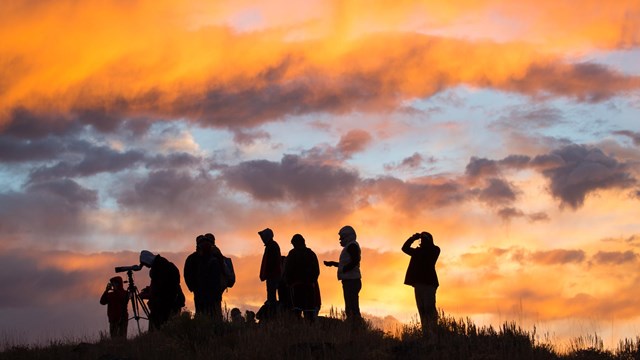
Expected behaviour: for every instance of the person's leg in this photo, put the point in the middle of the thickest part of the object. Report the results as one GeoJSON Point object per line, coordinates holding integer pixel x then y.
{"type": "Point", "coordinates": [426, 303]}
{"type": "Point", "coordinates": [351, 290]}
{"type": "Point", "coordinates": [272, 289]}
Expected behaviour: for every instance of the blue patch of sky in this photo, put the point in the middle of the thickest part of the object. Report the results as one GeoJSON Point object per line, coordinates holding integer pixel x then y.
{"type": "Point", "coordinates": [625, 61]}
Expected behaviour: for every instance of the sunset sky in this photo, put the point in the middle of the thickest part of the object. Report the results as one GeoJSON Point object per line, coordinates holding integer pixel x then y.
{"type": "Point", "coordinates": [510, 130]}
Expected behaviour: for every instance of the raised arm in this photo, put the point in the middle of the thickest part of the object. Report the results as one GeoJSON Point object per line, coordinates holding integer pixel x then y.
{"type": "Point", "coordinates": [406, 248]}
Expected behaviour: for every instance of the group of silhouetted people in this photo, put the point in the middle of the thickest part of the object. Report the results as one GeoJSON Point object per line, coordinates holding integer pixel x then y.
{"type": "Point", "coordinates": [291, 282]}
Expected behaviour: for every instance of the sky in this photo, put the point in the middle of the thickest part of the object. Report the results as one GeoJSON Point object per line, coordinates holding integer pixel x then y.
{"type": "Point", "coordinates": [508, 130]}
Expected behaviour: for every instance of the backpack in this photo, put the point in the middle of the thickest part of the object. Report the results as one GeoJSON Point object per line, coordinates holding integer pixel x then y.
{"type": "Point", "coordinates": [228, 276]}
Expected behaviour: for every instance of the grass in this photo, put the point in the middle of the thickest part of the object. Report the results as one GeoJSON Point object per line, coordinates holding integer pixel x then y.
{"type": "Point", "coordinates": [185, 337]}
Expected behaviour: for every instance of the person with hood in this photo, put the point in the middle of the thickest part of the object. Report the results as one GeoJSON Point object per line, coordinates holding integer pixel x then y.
{"type": "Point", "coordinates": [270, 268]}
{"type": "Point", "coordinates": [349, 272]}
{"type": "Point", "coordinates": [164, 292]}
{"type": "Point", "coordinates": [116, 298]}
{"type": "Point", "coordinates": [421, 274]}
{"type": "Point", "coordinates": [202, 273]}
{"type": "Point", "coordinates": [301, 275]}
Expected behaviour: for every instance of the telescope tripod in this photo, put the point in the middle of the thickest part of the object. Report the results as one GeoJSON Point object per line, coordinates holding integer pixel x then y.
{"type": "Point", "coordinates": [136, 302]}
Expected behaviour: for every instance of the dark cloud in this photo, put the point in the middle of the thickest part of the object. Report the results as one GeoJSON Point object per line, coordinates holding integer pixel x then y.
{"type": "Point", "coordinates": [497, 192]}
{"type": "Point", "coordinates": [614, 257]}
{"type": "Point", "coordinates": [13, 149]}
{"type": "Point", "coordinates": [173, 161]}
{"type": "Point", "coordinates": [315, 184]}
{"type": "Point", "coordinates": [587, 82]}
{"type": "Point", "coordinates": [48, 210]}
{"type": "Point", "coordinates": [508, 213]}
{"type": "Point", "coordinates": [96, 159]}
{"type": "Point", "coordinates": [538, 216]}
{"type": "Point", "coordinates": [412, 162]}
{"type": "Point", "coordinates": [529, 118]}
{"type": "Point", "coordinates": [482, 168]}
{"type": "Point", "coordinates": [634, 136]}
{"type": "Point", "coordinates": [353, 142]}
{"type": "Point", "coordinates": [584, 170]}
{"type": "Point", "coordinates": [244, 137]}
{"type": "Point", "coordinates": [557, 257]}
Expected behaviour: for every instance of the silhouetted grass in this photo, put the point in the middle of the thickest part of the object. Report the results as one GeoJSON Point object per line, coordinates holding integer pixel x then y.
{"type": "Point", "coordinates": [328, 338]}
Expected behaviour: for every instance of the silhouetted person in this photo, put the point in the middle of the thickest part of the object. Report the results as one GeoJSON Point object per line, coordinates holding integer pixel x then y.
{"type": "Point", "coordinates": [116, 298]}
{"type": "Point", "coordinates": [202, 274]}
{"type": "Point", "coordinates": [250, 317]}
{"type": "Point", "coordinates": [236, 317]}
{"type": "Point", "coordinates": [164, 293]}
{"type": "Point", "coordinates": [301, 275]}
{"type": "Point", "coordinates": [421, 274]}
{"type": "Point", "coordinates": [349, 272]}
{"type": "Point", "coordinates": [270, 269]}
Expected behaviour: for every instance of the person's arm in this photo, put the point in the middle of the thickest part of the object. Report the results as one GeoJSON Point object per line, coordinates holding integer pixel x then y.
{"type": "Point", "coordinates": [406, 248]}
{"type": "Point", "coordinates": [104, 299]}
{"type": "Point", "coordinates": [354, 253]}
{"type": "Point", "coordinates": [189, 273]}
{"type": "Point", "coordinates": [330, 263]}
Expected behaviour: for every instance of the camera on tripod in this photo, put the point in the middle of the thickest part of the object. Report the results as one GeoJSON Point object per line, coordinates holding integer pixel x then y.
{"type": "Point", "coordinates": [120, 269]}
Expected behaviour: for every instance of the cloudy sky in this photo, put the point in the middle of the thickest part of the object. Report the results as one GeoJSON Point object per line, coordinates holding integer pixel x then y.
{"type": "Point", "coordinates": [509, 130]}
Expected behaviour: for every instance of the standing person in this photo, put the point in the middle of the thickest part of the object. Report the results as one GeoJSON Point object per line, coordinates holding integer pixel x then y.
{"type": "Point", "coordinates": [301, 275]}
{"type": "Point", "coordinates": [270, 269]}
{"type": "Point", "coordinates": [202, 273]}
{"type": "Point", "coordinates": [116, 298]}
{"type": "Point", "coordinates": [421, 274]}
{"type": "Point", "coordinates": [349, 272]}
{"type": "Point", "coordinates": [164, 293]}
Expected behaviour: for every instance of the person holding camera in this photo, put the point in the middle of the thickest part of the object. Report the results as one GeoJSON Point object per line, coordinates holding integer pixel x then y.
{"type": "Point", "coordinates": [116, 299]}
{"type": "Point", "coordinates": [421, 274]}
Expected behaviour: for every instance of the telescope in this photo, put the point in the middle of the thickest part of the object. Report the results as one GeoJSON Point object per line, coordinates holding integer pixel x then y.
{"type": "Point", "coordinates": [120, 269]}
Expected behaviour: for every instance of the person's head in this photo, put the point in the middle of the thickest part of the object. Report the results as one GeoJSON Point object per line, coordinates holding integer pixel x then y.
{"type": "Point", "coordinates": [204, 244]}
{"type": "Point", "coordinates": [266, 235]}
{"type": "Point", "coordinates": [250, 316]}
{"type": "Point", "coordinates": [298, 241]}
{"type": "Point", "coordinates": [236, 315]}
{"type": "Point", "coordinates": [210, 237]}
{"type": "Point", "coordinates": [426, 238]}
{"type": "Point", "coordinates": [347, 235]}
{"type": "Point", "coordinates": [147, 258]}
{"type": "Point", "coordinates": [117, 282]}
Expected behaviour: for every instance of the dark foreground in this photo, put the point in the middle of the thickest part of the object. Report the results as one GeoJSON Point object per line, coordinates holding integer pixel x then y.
{"type": "Point", "coordinates": [329, 338]}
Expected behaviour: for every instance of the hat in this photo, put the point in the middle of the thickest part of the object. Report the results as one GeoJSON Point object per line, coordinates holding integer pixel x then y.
{"type": "Point", "coordinates": [266, 233]}
{"type": "Point", "coordinates": [147, 257]}
{"type": "Point", "coordinates": [116, 280]}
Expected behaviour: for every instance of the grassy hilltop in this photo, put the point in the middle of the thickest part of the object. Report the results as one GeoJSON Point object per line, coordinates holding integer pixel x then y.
{"type": "Point", "coordinates": [328, 338]}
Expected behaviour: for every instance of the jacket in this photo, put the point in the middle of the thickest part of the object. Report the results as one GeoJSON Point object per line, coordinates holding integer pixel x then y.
{"type": "Point", "coordinates": [422, 266]}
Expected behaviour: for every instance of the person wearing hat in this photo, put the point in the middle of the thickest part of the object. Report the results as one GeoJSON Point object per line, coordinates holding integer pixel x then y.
{"type": "Point", "coordinates": [421, 274]}
{"type": "Point", "coordinates": [270, 268]}
{"type": "Point", "coordinates": [349, 272]}
{"type": "Point", "coordinates": [202, 272]}
{"type": "Point", "coordinates": [165, 295]}
{"type": "Point", "coordinates": [116, 298]}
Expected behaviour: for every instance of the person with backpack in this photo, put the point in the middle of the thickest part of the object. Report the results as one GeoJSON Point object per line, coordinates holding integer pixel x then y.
{"type": "Point", "coordinates": [202, 274]}
{"type": "Point", "coordinates": [164, 293]}
{"type": "Point", "coordinates": [116, 298]}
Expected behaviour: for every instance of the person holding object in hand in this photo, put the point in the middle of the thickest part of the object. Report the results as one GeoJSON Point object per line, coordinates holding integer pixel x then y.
{"type": "Point", "coordinates": [349, 272]}
{"type": "Point", "coordinates": [421, 274]}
